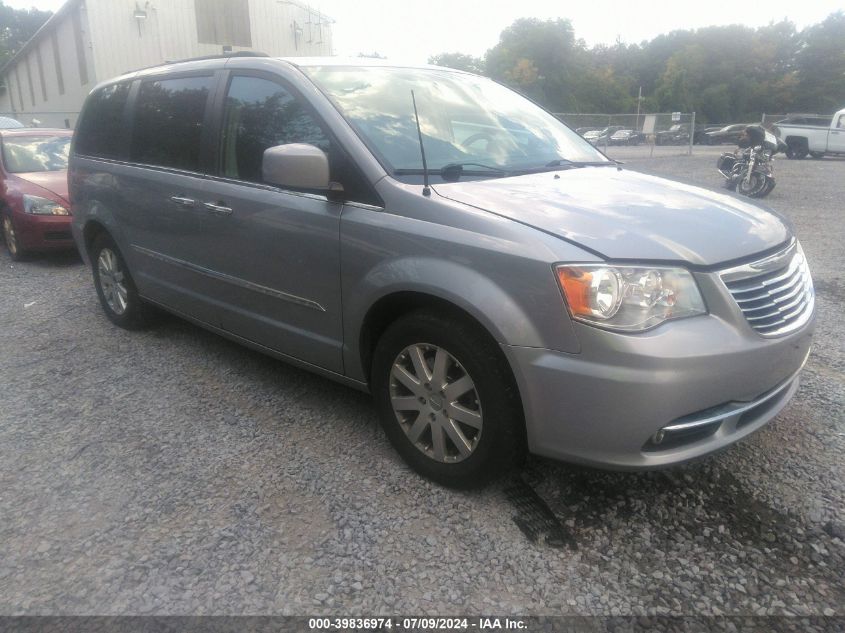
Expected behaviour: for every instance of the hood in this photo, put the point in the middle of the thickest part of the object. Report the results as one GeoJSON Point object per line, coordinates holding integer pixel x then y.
{"type": "Point", "coordinates": [54, 182]}
{"type": "Point", "coordinates": [620, 214]}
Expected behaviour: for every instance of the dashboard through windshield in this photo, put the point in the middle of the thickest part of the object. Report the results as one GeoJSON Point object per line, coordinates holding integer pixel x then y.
{"type": "Point", "coordinates": [467, 121]}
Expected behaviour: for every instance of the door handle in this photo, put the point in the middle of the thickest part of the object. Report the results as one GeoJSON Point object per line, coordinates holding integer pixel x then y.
{"type": "Point", "coordinates": [219, 209]}
{"type": "Point", "coordinates": [182, 202]}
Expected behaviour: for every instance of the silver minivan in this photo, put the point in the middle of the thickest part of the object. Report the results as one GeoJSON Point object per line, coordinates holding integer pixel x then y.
{"type": "Point", "coordinates": [497, 284]}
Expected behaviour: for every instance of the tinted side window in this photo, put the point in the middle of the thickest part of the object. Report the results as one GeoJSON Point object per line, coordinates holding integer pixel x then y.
{"type": "Point", "coordinates": [100, 132]}
{"type": "Point", "coordinates": [259, 114]}
{"type": "Point", "coordinates": [168, 122]}
{"type": "Point", "coordinates": [262, 114]}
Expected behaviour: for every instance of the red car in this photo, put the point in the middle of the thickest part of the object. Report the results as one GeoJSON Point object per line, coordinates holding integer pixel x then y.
{"type": "Point", "coordinates": [34, 207]}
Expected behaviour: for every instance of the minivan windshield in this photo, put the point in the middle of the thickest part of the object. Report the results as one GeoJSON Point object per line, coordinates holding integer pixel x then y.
{"type": "Point", "coordinates": [24, 154]}
{"type": "Point", "coordinates": [466, 121]}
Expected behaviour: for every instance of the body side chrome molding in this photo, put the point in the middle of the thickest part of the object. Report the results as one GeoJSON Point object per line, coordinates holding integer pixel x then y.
{"type": "Point", "coordinates": [243, 283]}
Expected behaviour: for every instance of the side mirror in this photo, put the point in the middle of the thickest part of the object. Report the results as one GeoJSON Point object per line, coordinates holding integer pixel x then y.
{"type": "Point", "coordinates": [296, 166]}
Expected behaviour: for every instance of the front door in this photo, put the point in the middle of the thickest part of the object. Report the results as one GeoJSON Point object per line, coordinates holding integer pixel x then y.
{"type": "Point", "coordinates": [273, 255]}
{"type": "Point", "coordinates": [836, 138]}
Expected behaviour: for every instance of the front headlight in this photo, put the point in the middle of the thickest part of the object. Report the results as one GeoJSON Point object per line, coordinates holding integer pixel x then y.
{"type": "Point", "coordinates": [629, 298]}
{"type": "Point", "coordinates": [42, 206]}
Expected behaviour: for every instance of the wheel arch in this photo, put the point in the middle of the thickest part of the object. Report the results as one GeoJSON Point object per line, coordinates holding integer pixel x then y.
{"type": "Point", "coordinates": [92, 230]}
{"type": "Point", "coordinates": [391, 307]}
{"type": "Point", "coordinates": [794, 138]}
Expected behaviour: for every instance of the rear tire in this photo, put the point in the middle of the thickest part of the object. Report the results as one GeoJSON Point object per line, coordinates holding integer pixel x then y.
{"type": "Point", "coordinates": [447, 400]}
{"type": "Point", "coordinates": [796, 149]}
{"type": "Point", "coordinates": [115, 287]}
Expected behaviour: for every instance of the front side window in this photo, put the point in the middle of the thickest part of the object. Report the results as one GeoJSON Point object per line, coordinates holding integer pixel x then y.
{"type": "Point", "coordinates": [464, 119]}
{"type": "Point", "coordinates": [261, 114]}
{"type": "Point", "coordinates": [169, 114]}
{"type": "Point", "coordinates": [100, 132]}
{"type": "Point", "coordinates": [26, 154]}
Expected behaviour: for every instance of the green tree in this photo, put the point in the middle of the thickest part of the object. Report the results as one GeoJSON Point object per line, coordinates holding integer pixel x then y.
{"type": "Point", "coordinates": [820, 66]}
{"type": "Point", "coordinates": [459, 61]}
{"type": "Point", "coordinates": [542, 59]}
{"type": "Point", "coordinates": [16, 27]}
{"type": "Point", "coordinates": [723, 73]}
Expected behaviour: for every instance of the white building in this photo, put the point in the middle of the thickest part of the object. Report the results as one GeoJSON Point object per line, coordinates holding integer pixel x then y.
{"type": "Point", "coordinates": [88, 41]}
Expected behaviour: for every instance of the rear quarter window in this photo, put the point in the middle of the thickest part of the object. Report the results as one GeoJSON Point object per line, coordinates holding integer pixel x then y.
{"type": "Point", "coordinates": [100, 133]}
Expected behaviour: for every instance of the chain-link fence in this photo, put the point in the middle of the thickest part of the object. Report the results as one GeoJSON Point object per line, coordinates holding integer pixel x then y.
{"type": "Point", "coordinates": [65, 120]}
{"type": "Point", "coordinates": [644, 134]}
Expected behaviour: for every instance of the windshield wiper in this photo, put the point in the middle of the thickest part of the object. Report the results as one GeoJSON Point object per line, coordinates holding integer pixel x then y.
{"type": "Point", "coordinates": [452, 172]}
{"type": "Point", "coordinates": [566, 164]}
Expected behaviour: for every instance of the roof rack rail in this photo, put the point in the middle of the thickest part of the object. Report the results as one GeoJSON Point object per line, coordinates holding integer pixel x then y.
{"type": "Point", "coordinates": [203, 58]}
{"type": "Point", "coordinates": [220, 56]}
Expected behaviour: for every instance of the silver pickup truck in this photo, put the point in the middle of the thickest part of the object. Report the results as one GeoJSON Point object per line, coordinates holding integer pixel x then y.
{"type": "Point", "coordinates": [805, 136]}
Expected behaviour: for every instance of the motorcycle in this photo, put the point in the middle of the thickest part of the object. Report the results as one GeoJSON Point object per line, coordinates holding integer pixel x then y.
{"type": "Point", "coordinates": [748, 170]}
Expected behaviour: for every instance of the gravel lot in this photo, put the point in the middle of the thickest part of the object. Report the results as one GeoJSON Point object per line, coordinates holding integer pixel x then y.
{"type": "Point", "coordinates": [173, 472]}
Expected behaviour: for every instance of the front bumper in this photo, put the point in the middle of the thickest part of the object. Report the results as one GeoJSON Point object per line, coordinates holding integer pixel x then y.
{"type": "Point", "coordinates": [43, 232]}
{"type": "Point", "coordinates": [603, 406]}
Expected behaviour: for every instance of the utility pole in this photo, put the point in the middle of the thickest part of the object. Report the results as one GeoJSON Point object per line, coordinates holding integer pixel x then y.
{"type": "Point", "coordinates": [639, 100]}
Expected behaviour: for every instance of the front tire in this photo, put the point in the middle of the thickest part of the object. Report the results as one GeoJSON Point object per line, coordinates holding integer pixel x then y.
{"type": "Point", "coordinates": [10, 238]}
{"type": "Point", "coordinates": [758, 186]}
{"type": "Point", "coordinates": [447, 400]}
{"type": "Point", "coordinates": [115, 287]}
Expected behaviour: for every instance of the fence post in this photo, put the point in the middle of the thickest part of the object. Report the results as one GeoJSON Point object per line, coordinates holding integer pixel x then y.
{"type": "Point", "coordinates": [653, 136]}
{"type": "Point", "coordinates": [691, 133]}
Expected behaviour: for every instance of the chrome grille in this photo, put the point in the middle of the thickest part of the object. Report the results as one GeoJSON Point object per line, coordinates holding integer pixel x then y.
{"type": "Point", "coordinates": [775, 294]}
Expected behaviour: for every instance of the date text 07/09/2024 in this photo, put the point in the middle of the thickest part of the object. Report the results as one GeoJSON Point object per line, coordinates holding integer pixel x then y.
{"type": "Point", "coordinates": [411, 624]}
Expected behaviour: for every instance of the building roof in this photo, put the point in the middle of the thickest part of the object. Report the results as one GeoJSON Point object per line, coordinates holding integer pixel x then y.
{"type": "Point", "coordinates": [66, 8]}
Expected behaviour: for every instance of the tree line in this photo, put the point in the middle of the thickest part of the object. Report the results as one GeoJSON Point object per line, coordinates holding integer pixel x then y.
{"type": "Point", "coordinates": [723, 73]}
{"type": "Point", "coordinates": [16, 27]}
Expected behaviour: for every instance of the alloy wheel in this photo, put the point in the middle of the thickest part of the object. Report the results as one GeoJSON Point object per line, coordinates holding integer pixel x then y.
{"type": "Point", "coordinates": [112, 281]}
{"type": "Point", "coordinates": [436, 403]}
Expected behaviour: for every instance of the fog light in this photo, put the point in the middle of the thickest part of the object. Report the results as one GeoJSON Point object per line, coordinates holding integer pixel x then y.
{"type": "Point", "coordinates": [658, 437]}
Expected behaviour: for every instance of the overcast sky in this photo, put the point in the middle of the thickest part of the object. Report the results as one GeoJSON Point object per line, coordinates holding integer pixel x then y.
{"type": "Point", "coordinates": [414, 30]}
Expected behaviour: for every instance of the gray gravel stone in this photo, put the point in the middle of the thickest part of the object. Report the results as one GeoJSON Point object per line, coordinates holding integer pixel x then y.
{"type": "Point", "coordinates": [172, 472]}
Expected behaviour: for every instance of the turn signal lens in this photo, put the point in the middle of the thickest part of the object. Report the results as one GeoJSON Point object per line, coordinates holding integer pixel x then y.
{"type": "Point", "coordinates": [629, 298]}
{"type": "Point", "coordinates": [593, 293]}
